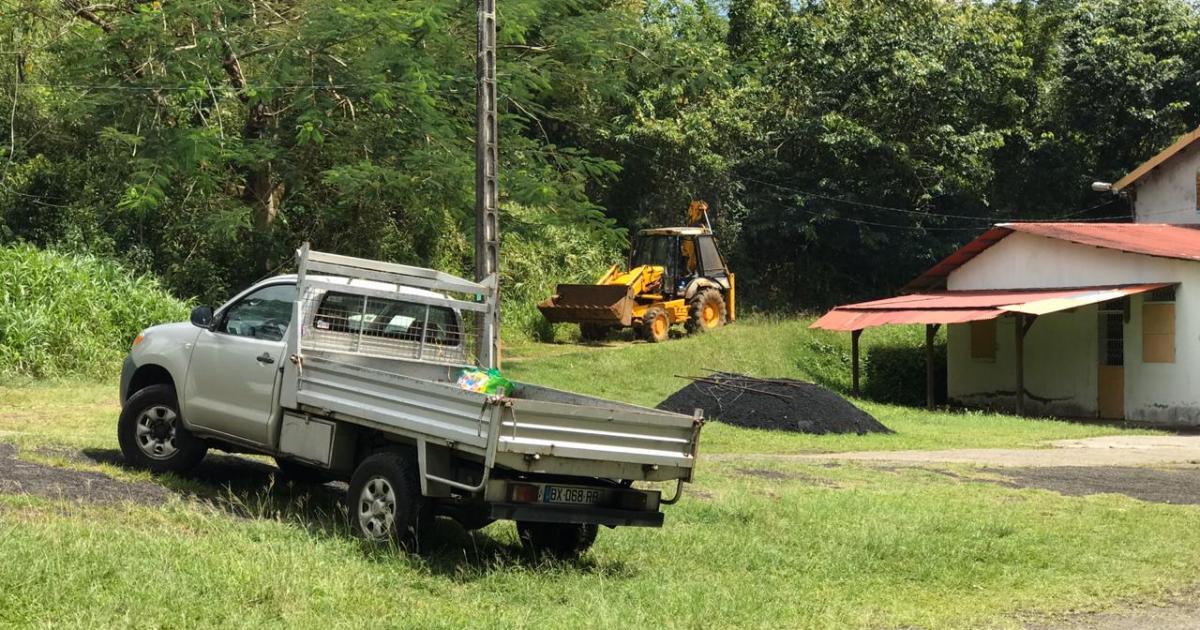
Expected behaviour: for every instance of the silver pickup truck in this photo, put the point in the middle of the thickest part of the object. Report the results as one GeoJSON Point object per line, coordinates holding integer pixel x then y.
{"type": "Point", "coordinates": [349, 371]}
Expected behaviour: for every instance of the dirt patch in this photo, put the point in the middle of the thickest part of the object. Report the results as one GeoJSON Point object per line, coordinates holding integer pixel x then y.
{"type": "Point", "coordinates": [21, 477]}
{"type": "Point", "coordinates": [779, 404]}
{"type": "Point", "coordinates": [1174, 486]}
{"type": "Point", "coordinates": [1178, 612]}
{"type": "Point", "coordinates": [769, 475]}
{"type": "Point", "coordinates": [1113, 450]}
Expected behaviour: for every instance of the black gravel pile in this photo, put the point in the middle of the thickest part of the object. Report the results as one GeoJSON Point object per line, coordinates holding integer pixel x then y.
{"type": "Point", "coordinates": [779, 404]}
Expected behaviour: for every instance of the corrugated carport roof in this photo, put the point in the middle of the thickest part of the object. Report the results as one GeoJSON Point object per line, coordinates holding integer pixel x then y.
{"type": "Point", "coordinates": [956, 307]}
{"type": "Point", "coordinates": [1151, 239]}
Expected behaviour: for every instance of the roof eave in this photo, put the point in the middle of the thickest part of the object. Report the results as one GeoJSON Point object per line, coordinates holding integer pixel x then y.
{"type": "Point", "coordinates": [1146, 167]}
{"type": "Point", "coordinates": [935, 276]}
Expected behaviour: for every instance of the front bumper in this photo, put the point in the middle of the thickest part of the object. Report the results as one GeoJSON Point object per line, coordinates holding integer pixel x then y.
{"type": "Point", "coordinates": [127, 370]}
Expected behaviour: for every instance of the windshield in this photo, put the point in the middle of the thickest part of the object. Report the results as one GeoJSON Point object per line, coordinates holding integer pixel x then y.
{"type": "Point", "coordinates": [653, 250]}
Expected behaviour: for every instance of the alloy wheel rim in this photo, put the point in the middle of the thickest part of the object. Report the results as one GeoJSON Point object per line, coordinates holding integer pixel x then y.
{"type": "Point", "coordinates": [157, 430]}
{"type": "Point", "coordinates": [377, 508]}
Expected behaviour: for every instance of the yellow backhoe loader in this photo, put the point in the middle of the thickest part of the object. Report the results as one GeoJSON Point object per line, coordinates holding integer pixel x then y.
{"type": "Point", "coordinates": [676, 275]}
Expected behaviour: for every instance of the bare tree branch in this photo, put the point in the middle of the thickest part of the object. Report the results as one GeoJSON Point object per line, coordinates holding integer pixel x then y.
{"type": "Point", "coordinates": [88, 12]}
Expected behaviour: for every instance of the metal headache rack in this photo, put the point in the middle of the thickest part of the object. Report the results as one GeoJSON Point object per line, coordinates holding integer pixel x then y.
{"type": "Point", "coordinates": [383, 310]}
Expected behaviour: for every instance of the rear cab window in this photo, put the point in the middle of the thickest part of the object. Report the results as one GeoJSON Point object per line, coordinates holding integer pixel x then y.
{"type": "Point", "coordinates": [394, 328]}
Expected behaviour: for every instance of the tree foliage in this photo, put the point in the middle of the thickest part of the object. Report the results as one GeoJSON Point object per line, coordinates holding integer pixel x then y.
{"type": "Point", "coordinates": [843, 144]}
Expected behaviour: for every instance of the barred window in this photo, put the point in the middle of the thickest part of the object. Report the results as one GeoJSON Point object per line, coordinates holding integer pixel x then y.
{"type": "Point", "coordinates": [393, 319]}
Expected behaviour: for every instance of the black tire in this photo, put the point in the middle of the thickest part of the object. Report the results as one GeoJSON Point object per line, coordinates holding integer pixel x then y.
{"type": "Point", "coordinates": [594, 332]}
{"type": "Point", "coordinates": [151, 432]}
{"type": "Point", "coordinates": [656, 326]}
{"type": "Point", "coordinates": [370, 506]}
{"type": "Point", "coordinates": [564, 541]}
{"type": "Point", "coordinates": [300, 473]}
{"type": "Point", "coordinates": [474, 515]}
{"type": "Point", "coordinates": [708, 301]}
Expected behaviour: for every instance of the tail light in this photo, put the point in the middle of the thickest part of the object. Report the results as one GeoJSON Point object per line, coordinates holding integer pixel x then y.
{"type": "Point", "coordinates": [522, 493]}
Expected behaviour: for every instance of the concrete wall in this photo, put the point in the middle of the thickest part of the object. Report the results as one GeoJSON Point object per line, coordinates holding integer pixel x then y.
{"type": "Point", "coordinates": [1168, 193]}
{"type": "Point", "coordinates": [1060, 366]}
{"type": "Point", "coordinates": [1061, 349]}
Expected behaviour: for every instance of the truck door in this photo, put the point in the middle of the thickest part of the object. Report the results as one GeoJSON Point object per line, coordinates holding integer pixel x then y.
{"type": "Point", "coordinates": [234, 375]}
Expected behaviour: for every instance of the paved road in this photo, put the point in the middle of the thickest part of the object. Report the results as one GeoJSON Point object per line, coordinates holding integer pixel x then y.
{"type": "Point", "coordinates": [1134, 450]}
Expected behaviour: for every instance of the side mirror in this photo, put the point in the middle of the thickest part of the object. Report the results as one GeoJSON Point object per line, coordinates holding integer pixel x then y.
{"type": "Point", "coordinates": [202, 316]}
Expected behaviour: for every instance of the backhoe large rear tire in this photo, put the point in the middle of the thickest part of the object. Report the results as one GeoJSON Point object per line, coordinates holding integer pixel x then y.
{"type": "Point", "coordinates": [706, 311]}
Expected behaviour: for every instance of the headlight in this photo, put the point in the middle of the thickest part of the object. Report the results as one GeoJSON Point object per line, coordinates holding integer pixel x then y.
{"type": "Point", "coordinates": [138, 339]}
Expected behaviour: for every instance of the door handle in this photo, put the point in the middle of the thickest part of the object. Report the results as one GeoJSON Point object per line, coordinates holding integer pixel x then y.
{"type": "Point", "coordinates": [265, 358]}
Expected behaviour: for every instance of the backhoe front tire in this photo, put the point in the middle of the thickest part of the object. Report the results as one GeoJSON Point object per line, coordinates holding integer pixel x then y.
{"type": "Point", "coordinates": [564, 541]}
{"type": "Point", "coordinates": [706, 311]}
{"type": "Point", "coordinates": [656, 325]}
{"type": "Point", "coordinates": [151, 432]}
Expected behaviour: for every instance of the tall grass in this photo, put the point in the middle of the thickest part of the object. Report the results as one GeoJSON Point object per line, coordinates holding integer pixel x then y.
{"type": "Point", "coordinates": [541, 251]}
{"type": "Point", "coordinates": [70, 314]}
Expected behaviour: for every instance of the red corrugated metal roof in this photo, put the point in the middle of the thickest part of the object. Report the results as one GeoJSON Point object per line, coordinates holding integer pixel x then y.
{"type": "Point", "coordinates": [956, 307]}
{"type": "Point", "coordinates": [1150, 239]}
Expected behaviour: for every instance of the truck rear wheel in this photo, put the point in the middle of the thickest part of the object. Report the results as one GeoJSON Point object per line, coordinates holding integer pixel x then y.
{"type": "Point", "coordinates": [385, 499]}
{"type": "Point", "coordinates": [151, 432]}
{"type": "Point", "coordinates": [565, 541]}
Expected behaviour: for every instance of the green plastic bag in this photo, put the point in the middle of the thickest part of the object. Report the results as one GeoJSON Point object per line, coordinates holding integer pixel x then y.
{"type": "Point", "coordinates": [489, 382]}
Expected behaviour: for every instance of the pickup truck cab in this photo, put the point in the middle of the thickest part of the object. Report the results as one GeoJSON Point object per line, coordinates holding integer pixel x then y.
{"type": "Point", "coordinates": [348, 371]}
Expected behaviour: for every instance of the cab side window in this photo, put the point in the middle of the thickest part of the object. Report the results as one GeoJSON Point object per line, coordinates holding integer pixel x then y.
{"type": "Point", "coordinates": [263, 314]}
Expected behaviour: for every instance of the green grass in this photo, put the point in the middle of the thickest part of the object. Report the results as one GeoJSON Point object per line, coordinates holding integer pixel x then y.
{"type": "Point", "coordinates": [754, 543]}
{"type": "Point", "coordinates": [823, 548]}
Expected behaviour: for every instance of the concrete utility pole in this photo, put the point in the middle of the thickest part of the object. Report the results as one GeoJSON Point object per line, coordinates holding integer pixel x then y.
{"type": "Point", "coordinates": [487, 223]}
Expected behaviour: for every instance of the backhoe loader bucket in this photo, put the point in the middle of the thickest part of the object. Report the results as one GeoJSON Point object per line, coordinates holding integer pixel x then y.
{"type": "Point", "coordinates": [589, 304]}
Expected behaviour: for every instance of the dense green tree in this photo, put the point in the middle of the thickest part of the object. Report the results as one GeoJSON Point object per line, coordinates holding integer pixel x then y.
{"type": "Point", "coordinates": [219, 134]}
{"type": "Point", "coordinates": [842, 144]}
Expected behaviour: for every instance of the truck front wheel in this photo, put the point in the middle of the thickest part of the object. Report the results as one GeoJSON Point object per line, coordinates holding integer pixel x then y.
{"type": "Point", "coordinates": [565, 541]}
{"type": "Point", "coordinates": [152, 435]}
{"type": "Point", "coordinates": [385, 499]}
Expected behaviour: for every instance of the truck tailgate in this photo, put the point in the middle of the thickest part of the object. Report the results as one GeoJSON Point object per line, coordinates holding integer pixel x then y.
{"type": "Point", "coordinates": [548, 422]}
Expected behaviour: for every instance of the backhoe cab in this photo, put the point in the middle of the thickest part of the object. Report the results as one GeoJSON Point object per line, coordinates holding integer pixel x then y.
{"type": "Point", "coordinates": [676, 275]}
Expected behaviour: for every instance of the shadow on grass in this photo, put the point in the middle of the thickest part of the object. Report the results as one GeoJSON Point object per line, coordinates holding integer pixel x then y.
{"type": "Point", "coordinates": [247, 488]}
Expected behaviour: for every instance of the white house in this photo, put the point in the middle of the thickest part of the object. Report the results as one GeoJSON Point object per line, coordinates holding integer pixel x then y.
{"type": "Point", "coordinates": [1080, 320]}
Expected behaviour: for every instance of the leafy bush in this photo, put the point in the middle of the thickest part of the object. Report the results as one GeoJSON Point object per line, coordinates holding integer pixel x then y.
{"type": "Point", "coordinates": [896, 374]}
{"type": "Point", "coordinates": [538, 254]}
{"type": "Point", "coordinates": [63, 314]}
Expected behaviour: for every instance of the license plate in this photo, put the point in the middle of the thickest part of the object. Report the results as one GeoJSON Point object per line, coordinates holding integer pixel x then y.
{"type": "Point", "coordinates": [572, 496]}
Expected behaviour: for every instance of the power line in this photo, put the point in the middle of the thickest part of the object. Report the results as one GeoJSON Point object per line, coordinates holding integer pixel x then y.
{"type": "Point", "coordinates": [922, 228]}
{"type": "Point", "coordinates": [183, 88]}
{"type": "Point", "coordinates": [924, 213]}
{"type": "Point", "coordinates": [862, 204]}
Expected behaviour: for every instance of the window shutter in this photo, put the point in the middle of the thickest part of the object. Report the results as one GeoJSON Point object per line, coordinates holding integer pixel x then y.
{"type": "Point", "coordinates": [1158, 332]}
{"type": "Point", "coordinates": [983, 340]}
